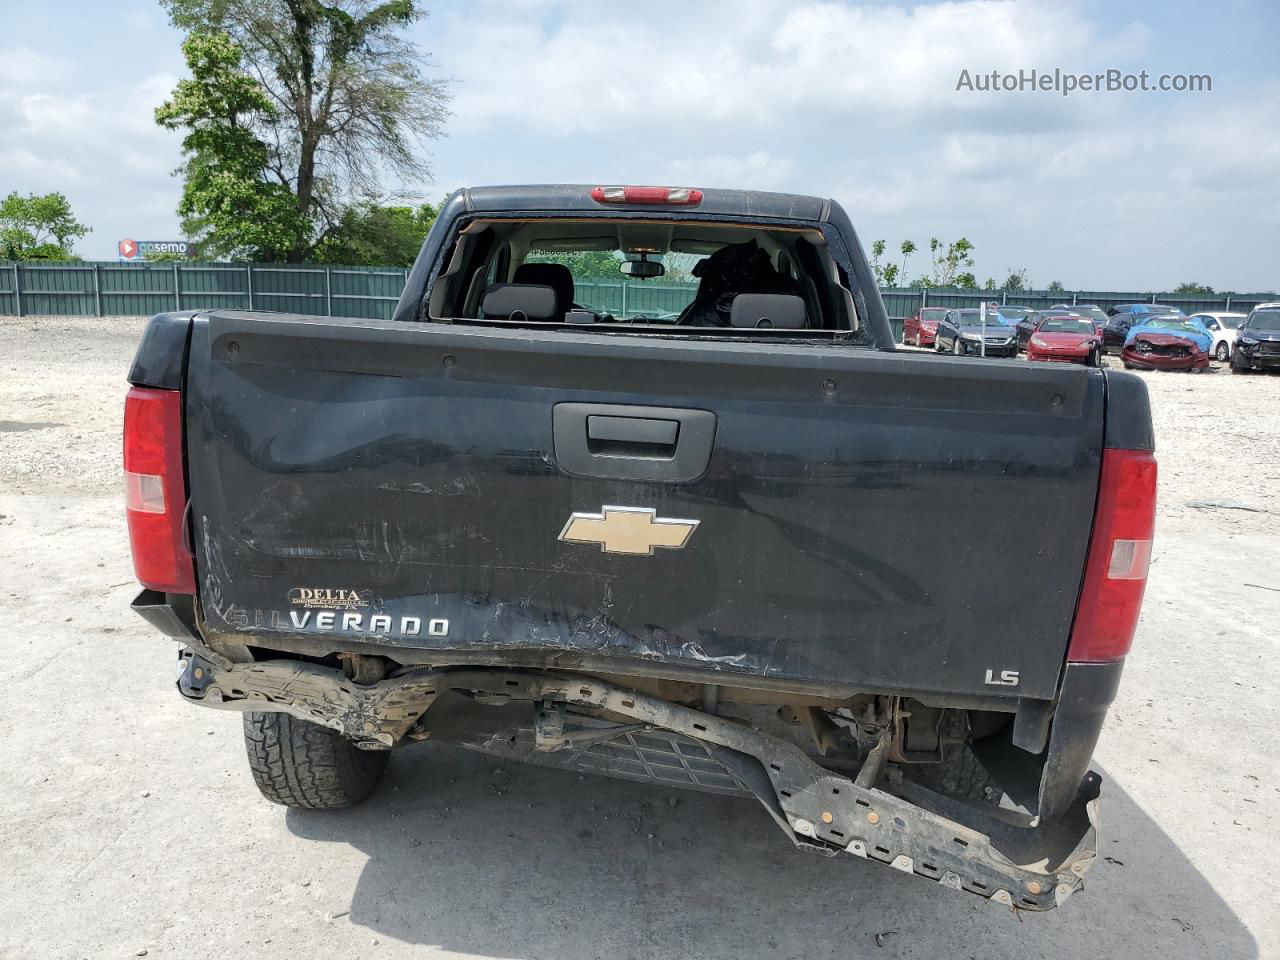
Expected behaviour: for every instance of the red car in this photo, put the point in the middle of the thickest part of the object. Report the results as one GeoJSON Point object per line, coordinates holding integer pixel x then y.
{"type": "Point", "coordinates": [1065, 339]}
{"type": "Point", "coordinates": [1163, 351]}
{"type": "Point", "coordinates": [922, 326]}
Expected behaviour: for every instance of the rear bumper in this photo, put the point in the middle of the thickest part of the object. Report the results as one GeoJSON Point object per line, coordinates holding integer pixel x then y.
{"type": "Point", "coordinates": [1001, 855]}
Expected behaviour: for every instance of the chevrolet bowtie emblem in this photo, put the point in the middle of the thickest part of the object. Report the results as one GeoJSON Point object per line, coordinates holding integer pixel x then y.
{"type": "Point", "coordinates": [631, 530]}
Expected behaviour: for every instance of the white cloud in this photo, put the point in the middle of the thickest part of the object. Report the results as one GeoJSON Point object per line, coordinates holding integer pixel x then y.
{"type": "Point", "coordinates": [101, 148]}
{"type": "Point", "coordinates": [764, 62]}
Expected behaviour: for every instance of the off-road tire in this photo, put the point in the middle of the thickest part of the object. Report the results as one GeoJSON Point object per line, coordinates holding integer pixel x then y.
{"type": "Point", "coordinates": [960, 775]}
{"type": "Point", "coordinates": [305, 765]}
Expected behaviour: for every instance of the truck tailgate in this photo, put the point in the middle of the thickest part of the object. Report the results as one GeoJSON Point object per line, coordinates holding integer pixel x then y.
{"type": "Point", "coordinates": [863, 519]}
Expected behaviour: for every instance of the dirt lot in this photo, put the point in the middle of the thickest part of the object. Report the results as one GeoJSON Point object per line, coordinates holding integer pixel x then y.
{"type": "Point", "coordinates": [129, 825]}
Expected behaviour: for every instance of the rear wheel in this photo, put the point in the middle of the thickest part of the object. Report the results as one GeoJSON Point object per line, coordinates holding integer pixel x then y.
{"type": "Point", "coordinates": [1223, 352]}
{"type": "Point", "coordinates": [918, 343]}
{"type": "Point", "coordinates": [301, 764]}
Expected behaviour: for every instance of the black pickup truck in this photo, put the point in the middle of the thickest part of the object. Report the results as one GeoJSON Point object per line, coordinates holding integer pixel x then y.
{"type": "Point", "coordinates": [724, 538]}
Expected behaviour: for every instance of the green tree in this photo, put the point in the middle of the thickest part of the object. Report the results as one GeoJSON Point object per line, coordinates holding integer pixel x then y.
{"type": "Point", "coordinates": [38, 227]}
{"type": "Point", "coordinates": [889, 275]}
{"type": "Point", "coordinates": [1055, 286]}
{"type": "Point", "coordinates": [877, 251]}
{"type": "Point", "coordinates": [377, 236]}
{"type": "Point", "coordinates": [1193, 289]}
{"type": "Point", "coordinates": [228, 202]}
{"type": "Point", "coordinates": [908, 248]}
{"type": "Point", "coordinates": [334, 100]}
{"type": "Point", "coordinates": [1016, 281]}
{"type": "Point", "coordinates": [949, 259]}
{"type": "Point", "coordinates": [966, 281]}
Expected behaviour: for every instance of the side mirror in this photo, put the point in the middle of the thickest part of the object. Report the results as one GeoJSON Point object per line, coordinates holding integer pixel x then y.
{"type": "Point", "coordinates": [643, 269]}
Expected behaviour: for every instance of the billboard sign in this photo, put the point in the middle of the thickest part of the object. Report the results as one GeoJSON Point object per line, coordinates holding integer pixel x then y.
{"type": "Point", "coordinates": [140, 249]}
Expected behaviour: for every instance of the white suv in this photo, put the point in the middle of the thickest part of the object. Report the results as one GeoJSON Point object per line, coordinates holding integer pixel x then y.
{"type": "Point", "coordinates": [1222, 327]}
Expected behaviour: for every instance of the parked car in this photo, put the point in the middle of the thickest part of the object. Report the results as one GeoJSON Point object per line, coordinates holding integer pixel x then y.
{"type": "Point", "coordinates": [1222, 328]}
{"type": "Point", "coordinates": [1013, 314]}
{"type": "Point", "coordinates": [1027, 325]}
{"type": "Point", "coordinates": [1090, 310]}
{"type": "Point", "coordinates": [648, 589]}
{"type": "Point", "coordinates": [1167, 343]}
{"type": "Point", "coordinates": [961, 332]}
{"type": "Point", "coordinates": [920, 327]}
{"type": "Point", "coordinates": [1258, 340]}
{"type": "Point", "coordinates": [1068, 339]}
{"type": "Point", "coordinates": [1122, 317]}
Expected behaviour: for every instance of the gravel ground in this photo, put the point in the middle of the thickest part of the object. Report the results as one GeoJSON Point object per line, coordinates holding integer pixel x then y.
{"type": "Point", "coordinates": [129, 825]}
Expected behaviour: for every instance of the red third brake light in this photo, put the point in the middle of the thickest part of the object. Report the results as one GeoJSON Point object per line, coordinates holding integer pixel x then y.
{"type": "Point", "coordinates": [154, 492]}
{"type": "Point", "coordinates": [668, 196]}
{"type": "Point", "coordinates": [1115, 574]}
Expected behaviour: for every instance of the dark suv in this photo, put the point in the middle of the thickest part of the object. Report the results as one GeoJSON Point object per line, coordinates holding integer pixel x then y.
{"type": "Point", "coordinates": [1258, 340]}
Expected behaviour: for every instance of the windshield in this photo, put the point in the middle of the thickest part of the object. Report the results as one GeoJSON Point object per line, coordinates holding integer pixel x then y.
{"type": "Point", "coordinates": [1079, 325]}
{"type": "Point", "coordinates": [1178, 326]}
{"type": "Point", "coordinates": [1265, 320]}
{"type": "Point", "coordinates": [1092, 312]}
{"type": "Point", "coordinates": [1013, 314]}
{"type": "Point", "coordinates": [973, 318]}
{"type": "Point", "coordinates": [1231, 323]}
{"type": "Point", "coordinates": [600, 287]}
{"type": "Point", "coordinates": [1160, 308]}
{"type": "Point", "coordinates": [647, 274]}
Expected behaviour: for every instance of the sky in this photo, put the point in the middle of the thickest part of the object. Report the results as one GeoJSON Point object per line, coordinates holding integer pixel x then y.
{"type": "Point", "coordinates": [1133, 191]}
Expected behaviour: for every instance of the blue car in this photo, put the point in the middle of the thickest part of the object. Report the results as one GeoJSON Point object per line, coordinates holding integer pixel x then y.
{"type": "Point", "coordinates": [1183, 326]}
{"type": "Point", "coordinates": [1123, 316]}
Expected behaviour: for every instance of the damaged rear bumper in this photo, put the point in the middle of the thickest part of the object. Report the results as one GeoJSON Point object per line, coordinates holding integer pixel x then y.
{"type": "Point", "coordinates": [1001, 855]}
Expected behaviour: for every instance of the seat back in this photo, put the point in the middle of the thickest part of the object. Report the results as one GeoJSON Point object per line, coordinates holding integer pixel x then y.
{"type": "Point", "coordinates": [519, 301]}
{"type": "Point", "coordinates": [764, 310]}
{"type": "Point", "coordinates": [553, 275]}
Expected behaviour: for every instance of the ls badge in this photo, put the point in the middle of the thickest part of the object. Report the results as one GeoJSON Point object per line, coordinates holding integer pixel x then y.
{"type": "Point", "coordinates": [631, 530]}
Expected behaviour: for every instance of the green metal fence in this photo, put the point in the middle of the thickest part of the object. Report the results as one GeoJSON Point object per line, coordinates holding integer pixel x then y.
{"type": "Point", "coordinates": [141, 289]}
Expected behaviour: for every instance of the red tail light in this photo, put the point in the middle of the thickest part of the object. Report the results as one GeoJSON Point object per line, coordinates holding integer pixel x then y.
{"type": "Point", "coordinates": [670, 196]}
{"type": "Point", "coordinates": [154, 492]}
{"type": "Point", "coordinates": [1115, 574]}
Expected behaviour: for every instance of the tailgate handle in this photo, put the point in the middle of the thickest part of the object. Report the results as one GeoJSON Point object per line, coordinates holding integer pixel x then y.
{"type": "Point", "coordinates": [632, 436]}
{"type": "Point", "coordinates": [626, 442]}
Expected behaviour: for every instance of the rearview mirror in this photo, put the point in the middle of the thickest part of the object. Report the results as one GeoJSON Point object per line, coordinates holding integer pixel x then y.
{"type": "Point", "coordinates": [644, 269]}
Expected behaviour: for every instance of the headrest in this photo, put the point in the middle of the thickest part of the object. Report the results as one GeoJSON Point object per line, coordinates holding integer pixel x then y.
{"type": "Point", "coordinates": [764, 310]}
{"type": "Point", "coordinates": [553, 275]}
{"type": "Point", "coordinates": [519, 301]}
